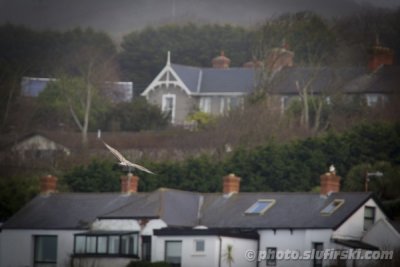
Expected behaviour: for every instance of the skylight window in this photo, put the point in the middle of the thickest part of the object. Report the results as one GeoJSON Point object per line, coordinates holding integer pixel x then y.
{"type": "Point", "coordinates": [332, 207]}
{"type": "Point", "coordinates": [260, 207]}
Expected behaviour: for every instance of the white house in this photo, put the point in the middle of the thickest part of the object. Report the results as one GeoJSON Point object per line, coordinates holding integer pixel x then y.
{"type": "Point", "coordinates": [190, 229]}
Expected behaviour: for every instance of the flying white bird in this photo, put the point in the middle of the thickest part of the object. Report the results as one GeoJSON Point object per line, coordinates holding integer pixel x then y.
{"type": "Point", "coordinates": [124, 161]}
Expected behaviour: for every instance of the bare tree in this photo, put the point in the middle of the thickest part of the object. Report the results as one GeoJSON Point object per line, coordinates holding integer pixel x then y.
{"type": "Point", "coordinates": [80, 89]}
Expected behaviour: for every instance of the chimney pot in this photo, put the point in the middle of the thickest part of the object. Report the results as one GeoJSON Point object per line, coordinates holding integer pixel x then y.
{"type": "Point", "coordinates": [231, 184]}
{"type": "Point", "coordinates": [129, 184]}
{"type": "Point", "coordinates": [48, 184]}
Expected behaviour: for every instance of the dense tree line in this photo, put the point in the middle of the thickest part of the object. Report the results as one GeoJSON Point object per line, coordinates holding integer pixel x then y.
{"type": "Point", "coordinates": [294, 166]}
{"type": "Point", "coordinates": [141, 55]}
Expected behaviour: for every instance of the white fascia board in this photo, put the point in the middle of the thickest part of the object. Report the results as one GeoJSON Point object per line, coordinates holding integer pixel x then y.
{"type": "Point", "coordinates": [156, 82]}
{"type": "Point", "coordinates": [38, 79]}
{"type": "Point", "coordinates": [221, 94]}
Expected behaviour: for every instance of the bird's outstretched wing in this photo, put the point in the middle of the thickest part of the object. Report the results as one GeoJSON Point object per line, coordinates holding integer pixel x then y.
{"type": "Point", "coordinates": [115, 153]}
{"type": "Point", "coordinates": [136, 166]}
{"type": "Point", "coordinates": [124, 161]}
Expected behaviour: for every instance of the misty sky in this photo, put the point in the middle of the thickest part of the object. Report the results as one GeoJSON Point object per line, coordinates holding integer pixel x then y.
{"type": "Point", "coordinates": [119, 17]}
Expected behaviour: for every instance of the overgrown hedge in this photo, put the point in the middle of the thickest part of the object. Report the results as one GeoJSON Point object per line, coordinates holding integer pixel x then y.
{"type": "Point", "coordinates": [294, 166]}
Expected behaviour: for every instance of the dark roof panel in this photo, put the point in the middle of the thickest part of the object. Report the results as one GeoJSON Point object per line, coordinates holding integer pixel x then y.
{"type": "Point", "coordinates": [185, 209]}
{"type": "Point", "coordinates": [291, 210]}
{"type": "Point", "coordinates": [189, 75]}
{"type": "Point", "coordinates": [232, 80]}
{"type": "Point", "coordinates": [212, 80]}
{"type": "Point", "coordinates": [66, 210]}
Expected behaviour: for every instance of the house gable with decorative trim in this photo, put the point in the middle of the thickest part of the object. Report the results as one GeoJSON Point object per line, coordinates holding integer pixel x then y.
{"type": "Point", "coordinates": [181, 90]}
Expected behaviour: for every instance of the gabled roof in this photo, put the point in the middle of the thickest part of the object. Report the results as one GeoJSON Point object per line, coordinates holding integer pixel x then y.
{"type": "Point", "coordinates": [208, 81]}
{"type": "Point", "coordinates": [78, 210]}
{"type": "Point", "coordinates": [234, 81]}
{"type": "Point", "coordinates": [185, 209]}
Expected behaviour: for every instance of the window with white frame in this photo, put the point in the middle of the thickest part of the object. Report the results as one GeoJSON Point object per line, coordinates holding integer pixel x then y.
{"type": "Point", "coordinates": [372, 100]}
{"type": "Point", "coordinates": [173, 252]}
{"type": "Point", "coordinates": [369, 217]}
{"type": "Point", "coordinates": [168, 106]}
{"type": "Point", "coordinates": [222, 105]}
{"type": "Point", "coordinates": [332, 207]}
{"type": "Point", "coordinates": [375, 99]}
{"type": "Point", "coordinates": [260, 207]}
{"type": "Point", "coordinates": [45, 250]}
{"type": "Point", "coordinates": [284, 103]}
{"type": "Point", "coordinates": [205, 104]}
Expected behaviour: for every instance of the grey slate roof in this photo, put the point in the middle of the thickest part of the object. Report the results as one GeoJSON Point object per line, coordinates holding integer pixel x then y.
{"type": "Point", "coordinates": [291, 210]}
{"type": "Point", "coordinates": [65, 210]}
{"type": "Point", "coordinates": [212, 80]}
{"type": "Point", "coordinates": [385, 80]}
{"type": "Point", "coordinates": [323, 80]}
{"type": "Point", "coordinates": [184, 209]}
{"type": "Point", "coordinates": [175, 207]}
{"type": "Point", "coordinates": [349, 80]}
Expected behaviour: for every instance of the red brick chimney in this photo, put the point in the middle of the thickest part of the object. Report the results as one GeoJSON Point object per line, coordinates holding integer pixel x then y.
{"type": "Point", "coordinates": [48, 184]}
{"type": "Point", "coordinates": [279, 58]}
{"type": "Point", "coordinates": [330, 182]}
{"type": "Point", "coordinates": [129, 184]}
{"type": "Point", "coordinates": [380, 55]}
{"type": "Point", "coordinates": [221, 62]}
{"type": "Point", "coordinates": [231, 184]}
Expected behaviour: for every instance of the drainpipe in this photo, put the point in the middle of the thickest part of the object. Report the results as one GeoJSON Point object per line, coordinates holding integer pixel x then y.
{"type": "Point", "coordinates": [258, 249]}
{"type": "Point", "coordinates": [220, 249]}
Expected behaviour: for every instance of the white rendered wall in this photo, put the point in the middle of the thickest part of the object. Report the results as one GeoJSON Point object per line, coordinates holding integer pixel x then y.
{"type": "Point", "coordinates": [353, 228]}
{"type": "Point", "coordinates": [116, 225]}
{"type": "Point", "coordinates": [17, 247]}
{"type": "Point", "coordinates": [295, 240]}
{"type": "Point", "coordinates": [211, 255]}
{"type": "Point", "coordinates": [239, 248]}
{"type": "Point", "coordinates": [383, 235]}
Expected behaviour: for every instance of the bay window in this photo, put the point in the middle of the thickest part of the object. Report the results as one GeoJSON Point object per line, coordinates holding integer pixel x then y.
{"type": "Point", "coordinates": [110, 244]}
